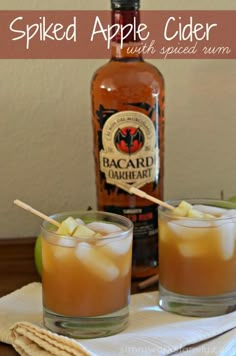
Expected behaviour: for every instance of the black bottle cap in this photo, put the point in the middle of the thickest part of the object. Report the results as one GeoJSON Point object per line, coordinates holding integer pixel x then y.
{"type": "Point", "coordinates": [125, 4]}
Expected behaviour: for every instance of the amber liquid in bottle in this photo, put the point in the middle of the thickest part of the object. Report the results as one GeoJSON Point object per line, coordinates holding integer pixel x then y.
{"type": "Point", "coordinates": [128, 126]}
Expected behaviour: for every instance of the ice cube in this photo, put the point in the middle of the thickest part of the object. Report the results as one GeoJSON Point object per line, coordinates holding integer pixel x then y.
{"type": "Point", "coordinates": [66, 241]}
{"type": "Point", "coordinates": [188, 228]}
{"type": "Point", "coordinates": [212, 210]}
{"type": "Point", "coordinates": [191, 236]}
{"type": "Point", "coordinates": [103, 227]}
{"type": "Point", "coordinates": [227, 240]}
{"type": "Point", "coordinates": [63, 247]}
{"type": "Point", "coordinates": [192, 249]}
{"type": "Point", "coordinates": [96, 262]}
{"type": "Point", "coordinates": [125, 266]}
{"type": "Point", "coordinates": [229, 213]}
{"type": "Point", "coordinates": [164, 234]}
{"type": "Point", "coordinates": [117, 245]}
{"type": "Point", "coordinates": [79, 221]}
{"type": "Point", "coordinates": [210, 238]}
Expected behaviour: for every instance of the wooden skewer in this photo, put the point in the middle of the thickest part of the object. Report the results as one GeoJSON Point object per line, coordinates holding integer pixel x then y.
{"type": "Point", "coordinates": [142, 194]}
{"type": "Point", "coordinates": [36, 212]}
{"type": "Point", "coordinates": [149, 282]}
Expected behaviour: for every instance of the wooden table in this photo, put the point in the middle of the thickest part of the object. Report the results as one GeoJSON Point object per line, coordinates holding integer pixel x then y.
{"type": "Point", "coordinates": [17, 269]}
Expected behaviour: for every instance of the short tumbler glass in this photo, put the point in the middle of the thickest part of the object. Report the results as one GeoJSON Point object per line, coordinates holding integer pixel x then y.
{"type": "Point", "coordinates": [86, 281]}
{"type": "Point", "coordinates": [197, 260]}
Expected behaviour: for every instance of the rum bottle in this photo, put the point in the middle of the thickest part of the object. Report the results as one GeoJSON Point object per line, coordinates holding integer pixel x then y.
{"type": "Point", "coordinates": [128, 127]}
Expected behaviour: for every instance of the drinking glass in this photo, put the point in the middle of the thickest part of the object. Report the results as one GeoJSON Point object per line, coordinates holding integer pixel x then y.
{"type": "Point", "coordinates": [86, 281]}
{"type": "Point", "coordinates": [197, 260]}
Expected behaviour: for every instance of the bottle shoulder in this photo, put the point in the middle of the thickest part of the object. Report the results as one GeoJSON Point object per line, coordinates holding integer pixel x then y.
{"type": "Point", "coordinates": [130, 72]}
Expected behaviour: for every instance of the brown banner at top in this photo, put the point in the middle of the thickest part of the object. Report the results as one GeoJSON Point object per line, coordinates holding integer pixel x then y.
{"type": "Point", "coordinates": [89, 34]}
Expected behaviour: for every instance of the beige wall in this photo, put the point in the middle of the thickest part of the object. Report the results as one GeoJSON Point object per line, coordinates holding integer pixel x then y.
{"type": "Point", "coordinates": [45, 126]}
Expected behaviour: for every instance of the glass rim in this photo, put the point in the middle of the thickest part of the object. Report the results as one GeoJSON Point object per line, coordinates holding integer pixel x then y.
{"type": "Point", "coordinates": [224, 204]}
{"type": "Point", "coordinates": [127, 224]}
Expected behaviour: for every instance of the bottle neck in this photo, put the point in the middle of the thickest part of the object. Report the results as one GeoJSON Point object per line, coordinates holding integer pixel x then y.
{"type": "Point", "coordinates": [126, 43]}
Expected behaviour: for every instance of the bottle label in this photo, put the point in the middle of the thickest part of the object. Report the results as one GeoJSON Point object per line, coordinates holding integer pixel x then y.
{"type": "Point", "coordinates": [144, 218]}
{"type": "Point", "coordinates": [130, 153]}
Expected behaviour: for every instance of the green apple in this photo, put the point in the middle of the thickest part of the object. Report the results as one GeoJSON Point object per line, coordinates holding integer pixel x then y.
{"type": "Point", "coordinates": [38, 254]}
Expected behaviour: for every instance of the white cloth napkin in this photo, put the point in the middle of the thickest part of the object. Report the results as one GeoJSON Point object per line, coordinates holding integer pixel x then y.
{"type": "Point", "coordinates": [151, 330]}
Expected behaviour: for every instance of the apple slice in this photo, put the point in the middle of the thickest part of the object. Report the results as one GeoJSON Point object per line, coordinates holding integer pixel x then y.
{"type": "Point", "coordinates": [104, 228]}
{"type": "Point", "coordinates": [185, 209]}
{"type": "Point", "coordinates": [67, 227]}
{"type": "Point", "coordinates": [194, 213]}
{"type": "Point", "coordinates": [84, 232]}
{"type": "Point", "coordinates": [182, 209]}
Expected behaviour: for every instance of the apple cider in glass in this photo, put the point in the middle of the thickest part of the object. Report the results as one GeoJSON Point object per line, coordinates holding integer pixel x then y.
{"type": "Point", "coordinates": [197, 259]}
{"type": "Point", "coordinates": [86, 273]}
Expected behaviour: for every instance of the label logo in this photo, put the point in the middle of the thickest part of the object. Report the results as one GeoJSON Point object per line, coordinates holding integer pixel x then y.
{"type": "Point", "coordinates": [130, 152]}
{"type": "Point", "coordinates": [129, 139]}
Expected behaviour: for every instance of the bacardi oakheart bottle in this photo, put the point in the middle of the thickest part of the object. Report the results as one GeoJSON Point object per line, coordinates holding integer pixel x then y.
{"type": "Point", "coordinates": [128, 124]}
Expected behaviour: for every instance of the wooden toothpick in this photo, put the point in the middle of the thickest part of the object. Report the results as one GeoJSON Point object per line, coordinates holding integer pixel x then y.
{"type": "Point", "coordinates": [142, 194]}
{"type": "Point", "coordinates": [36, 212]}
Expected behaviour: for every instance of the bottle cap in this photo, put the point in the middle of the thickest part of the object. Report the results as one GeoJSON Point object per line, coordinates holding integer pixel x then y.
{"type": "Point", "coordinates": [125, 4]}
